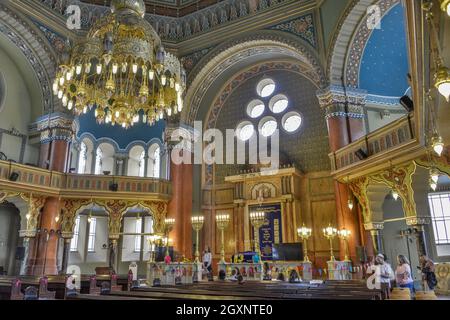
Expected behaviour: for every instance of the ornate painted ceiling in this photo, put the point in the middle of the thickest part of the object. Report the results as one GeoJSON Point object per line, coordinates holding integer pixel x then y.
{"type": "Point", "coordinates": [173, 8]}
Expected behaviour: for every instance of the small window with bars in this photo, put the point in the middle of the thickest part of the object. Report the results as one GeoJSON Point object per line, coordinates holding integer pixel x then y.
{"type": "Point", "coordinates": [91, 240]}
{"type": "Point", "coordinates": [440, 216]}
{"type": "Point", "coordinates": [138, 238]}
{"type": "Point", "coordinates": [76, 235]}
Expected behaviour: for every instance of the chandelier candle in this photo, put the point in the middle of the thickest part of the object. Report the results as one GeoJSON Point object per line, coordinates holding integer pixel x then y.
{"type": "Point", "coordinates": [122, 70]}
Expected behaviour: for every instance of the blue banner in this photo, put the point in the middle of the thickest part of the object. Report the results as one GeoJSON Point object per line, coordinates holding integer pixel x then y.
{"type": "Point", "coordinates": [270, 233]}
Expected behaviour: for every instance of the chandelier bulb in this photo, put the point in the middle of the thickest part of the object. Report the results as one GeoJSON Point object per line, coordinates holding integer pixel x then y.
{"type": "Point", "coordinates": [177, 86]}
{"type": "Point", "coordinates": [117, 114]}
{"type": "Point", "coordinates": [78, 69]}
{"type": "Point", "coordinates": [437, 144]}
{"type": "Point", "coordinates": [99, 68]}
{"type": "Point", "coordinates": [64, 100]}
{"type": "Point", "coordinates": [124, 67]}
{"type": "Point", "coordinates": [85, 108]}
{"type": "Point", "coordinates": [135, 68]}
{"type": "Point", "coordinates": [70, 105]}
{"type": "Point", "coordinates": [69, 75]}
{"type": "Point", "coordinates": [55, 88]}
{"type": "Point", "coordinates": [163, 80]}
{"type": "Point", "coordinates": [151, 74]}
{"type": "Point", "coordinates": [60, 94]}
{"type": "Point", "coordinates": [88, 68]}
{"type": "Point", "coordinates": [115, 68]}
{"type": "Point", "coordinates": [433, 185]}
{"type": "Point", "coordinates": [395, 195]}
{"type": "Point", "coordinates": [61, 81]}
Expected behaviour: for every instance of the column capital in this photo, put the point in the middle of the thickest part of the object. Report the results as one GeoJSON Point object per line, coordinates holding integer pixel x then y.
{"type": "Point", "coordinates": [55, 126]}
{"type": "Point", "coordinates": [417, 221]}
{"type": "Point", "coordinates": [340, 102]}
{"type": "Point", "coordinates": [374, 226]}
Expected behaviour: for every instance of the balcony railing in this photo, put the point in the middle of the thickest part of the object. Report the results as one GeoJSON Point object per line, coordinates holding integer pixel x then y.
{"type": "Point", "coordinates": [24, 178]}
{"type": "Point", "coordinates": [386, 139]}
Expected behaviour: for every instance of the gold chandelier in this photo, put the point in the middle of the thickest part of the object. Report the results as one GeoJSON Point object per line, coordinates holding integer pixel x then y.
{"type": "Point", "coordinates": [122, 71]}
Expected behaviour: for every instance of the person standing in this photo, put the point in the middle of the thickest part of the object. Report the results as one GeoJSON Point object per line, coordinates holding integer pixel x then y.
{"type": "Point", "coordinates": [386, 274]}
{"type": "Point", "coordinates": [403, 274]}
{"type": "Point", "coordinates": [427, 269]}
{"type": "Point", "coordinates": [207, 260]}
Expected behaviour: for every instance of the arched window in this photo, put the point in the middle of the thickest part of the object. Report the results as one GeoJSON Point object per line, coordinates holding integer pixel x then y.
{"type": "Point", "coordinates": [98, 161]}
{"type": "Point", "coordinates": [156, 162]}
{"type": "Point", "coordinates": [82, 158]}
{"type": "Point", "coordinates": [142, 164]}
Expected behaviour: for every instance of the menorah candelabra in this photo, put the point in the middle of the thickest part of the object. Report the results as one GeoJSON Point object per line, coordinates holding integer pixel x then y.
{"type": "Point", "coordinates": [197, 225]}
{"type": "Point", "coordinates": [330, 233]}
{"type": "Point", "coordinates": [257, 219]}
{"type": "Point", "coordinates": [222, 221]}
{"type": "Point", "coordinates": [304, 233]}
{"type": "Point", "coordinates": [344, 235]}
{"type": "Point", "coordinates": [152, 241]}
{"type": "Point", "coordinates": [168, 226]}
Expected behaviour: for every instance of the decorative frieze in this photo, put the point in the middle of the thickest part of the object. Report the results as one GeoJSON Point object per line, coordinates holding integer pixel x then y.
{"type": "Point", "coordinates": [340, 102]}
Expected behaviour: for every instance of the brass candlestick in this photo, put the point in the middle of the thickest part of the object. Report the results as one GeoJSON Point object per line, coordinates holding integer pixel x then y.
{"type": "Point", "coordinates": [152, 240]}
{"type": "Point", "coordinates": [304, 233]}
{"type": "Point", "coordinates": [344, 234]}
{"type": "Point", "coordinates": [330, 233]}
{"type": "Point", "coordinates": [222, 221]}
{"type": "Point", "coordinates": [168, 226]}
{"type": "Point", "coordinates": [197, 224]}
{"type": "Point", "coordinates": [257, 219]}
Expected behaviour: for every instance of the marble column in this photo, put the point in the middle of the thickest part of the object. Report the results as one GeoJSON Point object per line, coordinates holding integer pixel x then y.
{"type": "Point", "coordinates": [419, 224]}
{"type": "Point", "coordinates": [180, 206]}
{"type": "Point", "coordinates": [56, 136]}
{"type": "Point", "coordinates": [376, 235]}
{"type": "Point", "coordinates": [65, 257]}
{"type": "Point", "coordinates": [345, 121]}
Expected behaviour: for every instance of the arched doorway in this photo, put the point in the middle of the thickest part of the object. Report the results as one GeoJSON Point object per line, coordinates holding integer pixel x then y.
{"type": "Point", "coordinates": [9, 239]}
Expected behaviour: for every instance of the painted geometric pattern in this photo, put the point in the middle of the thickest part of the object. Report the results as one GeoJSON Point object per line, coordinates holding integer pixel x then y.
{"type": "Point", "coordinates": [302, 27]}
{"type": "Point", "coordinates": [192, 59]}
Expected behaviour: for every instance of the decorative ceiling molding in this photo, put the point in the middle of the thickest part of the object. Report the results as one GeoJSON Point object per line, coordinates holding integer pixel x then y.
{"type": "Point", "coordinates": [303, 27]}
{"type": "Point", "coordinates": [179, 28]}
{"type": "Point", "coordinates": [30, 42]}
{"type": "Point", "coordinates": [343, 37]}
{"type": "Point", "coordinates": [358, 45]}
{"type": "Point", "coordinates": [223, 57]}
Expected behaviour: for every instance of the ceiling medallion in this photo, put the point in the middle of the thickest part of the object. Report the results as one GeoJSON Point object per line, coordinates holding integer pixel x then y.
{"type": "Point", "coordinates": [121, 70]}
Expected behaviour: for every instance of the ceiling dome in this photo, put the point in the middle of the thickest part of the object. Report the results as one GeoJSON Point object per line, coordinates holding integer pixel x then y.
{"type": "Point", "coordinates": [137, 6]}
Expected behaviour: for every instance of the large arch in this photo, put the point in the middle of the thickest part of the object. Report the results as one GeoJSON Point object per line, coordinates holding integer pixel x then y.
{"type": "Point", "coordinates": [226, 60]}
{"type": "Point", "coordinates": [349, 42]}
{"type": "Point", "coordinates": [33, 45]}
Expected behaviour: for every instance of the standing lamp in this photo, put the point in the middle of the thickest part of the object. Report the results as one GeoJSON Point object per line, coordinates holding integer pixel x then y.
{"type": "Point", "coordinates": [344, 234]}
{"type": "Point", "coordinates": [197, 225]}
{"type": "Point", "coordinates": [330, 233]}
{"type": "Point", "coordinates": [222, 221]}
{"type": "Point", "coordinates": [257, 219]}
{"type": "Point", "coordinates": [304, 233]}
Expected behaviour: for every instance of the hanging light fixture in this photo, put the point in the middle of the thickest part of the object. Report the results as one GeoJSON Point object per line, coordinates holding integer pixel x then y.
{"type": "Point", "coordinates": [121, 69]}
{"type": "Point", "coordinates": [442, 75]}
{"type": "Point", "coordinates": [350, 204]}
{"type": "Point", "coordinates": [437, 144]}
{"type": "Point", "coordinates": [394, 195]}
{"type": "Point", "coordinates": [445, 6]}
{"type": "Point", "coordinates": [442, 82]}
{"type": "Point", "coordinates": [434, 175]}
{"type": "Point", "coordinates": [433, 184]}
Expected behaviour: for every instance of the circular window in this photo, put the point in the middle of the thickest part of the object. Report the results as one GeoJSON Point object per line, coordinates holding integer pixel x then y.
{"type": "Point", "coordinates": [291, 122]}
{"type": "Point", "coordinates": [265, 87]}
{"type": "Point", "coordinates": [279, 103]}
{"type": "Point", "coordinates": [267, 126]}
{"type": "Point", "coordinates": [245, 130]}
{"type": "Point", "coordinates": [255, 108]}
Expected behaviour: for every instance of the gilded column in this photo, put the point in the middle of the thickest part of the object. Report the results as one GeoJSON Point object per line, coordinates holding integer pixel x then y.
{"type": "Point", "coordinates": [419, 224]}
{"type": "Point", "coordinates": [116, 210]}
{"type": "Point", "coordinates": [375, 229]}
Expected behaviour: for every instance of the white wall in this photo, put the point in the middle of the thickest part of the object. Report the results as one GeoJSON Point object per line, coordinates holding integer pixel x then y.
{"type": "Point", "coordinates": [15, 113]}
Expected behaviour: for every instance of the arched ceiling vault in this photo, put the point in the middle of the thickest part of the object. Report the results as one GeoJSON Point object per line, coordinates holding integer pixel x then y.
{"type": "Point", "coordinates": [31, 51]}
{"type": "Point", "coordinates": [207, 79]}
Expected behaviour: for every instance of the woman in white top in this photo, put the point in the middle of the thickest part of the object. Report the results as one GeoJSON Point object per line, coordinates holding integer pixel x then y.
{"type": "Point", "coordinates": [207, 260]}
{"type": "Point", "coordinates": [403, 274]}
